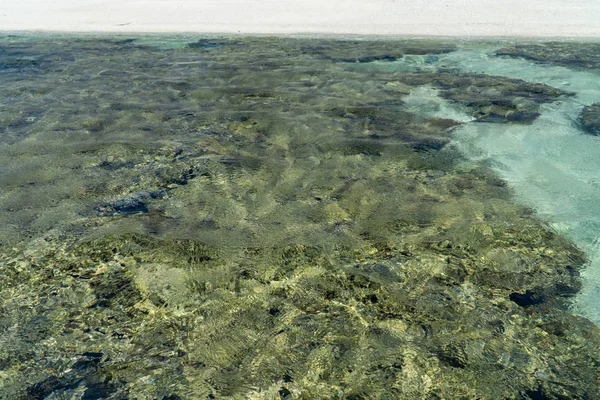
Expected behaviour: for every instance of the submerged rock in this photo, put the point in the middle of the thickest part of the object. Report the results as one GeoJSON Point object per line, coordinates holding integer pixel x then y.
{"type": "Point", "coordinates": [527, 299]}
{"type": "Point", "coordinates": [590, 119]}
{"type": "Point", "coordinates": [368, 51]}
{"type": "Point", "coordinates": [213, 44]}
{"type": "Point", "coordinates": [493, 99]}
{"type": "Point", "coordinates": [82, 376]}
{"type": "Point", "coordinates": [568, 54]}
{"type": "Point", "coordinates": [360, 51]}
{"type": "Point", "coordinates": [125, 206]}
{"type": "Point", "coordinates": [131, 205]}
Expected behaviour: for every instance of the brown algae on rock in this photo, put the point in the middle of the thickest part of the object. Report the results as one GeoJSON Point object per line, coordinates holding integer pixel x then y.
{"type": "Point", "coordinates": [262, 218]}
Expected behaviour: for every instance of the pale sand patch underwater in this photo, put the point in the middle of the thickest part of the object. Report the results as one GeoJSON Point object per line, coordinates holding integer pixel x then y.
{"type": "Point", "coordinates": [260, 218]}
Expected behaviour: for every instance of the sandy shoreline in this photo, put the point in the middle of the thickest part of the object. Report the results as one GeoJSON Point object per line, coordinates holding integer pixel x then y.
{"type": "Point", "coordinates": [466, 18]}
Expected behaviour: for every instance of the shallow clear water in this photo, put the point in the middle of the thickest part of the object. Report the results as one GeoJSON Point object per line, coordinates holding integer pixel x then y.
{"type": "Point", "coordinates": [552, 164]}
{"type": "Point", "coordinates": [205, 217]}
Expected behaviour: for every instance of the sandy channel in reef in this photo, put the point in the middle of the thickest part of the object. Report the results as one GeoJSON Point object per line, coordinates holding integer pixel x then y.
{"type": "Point", "coordinates": [534, 18]}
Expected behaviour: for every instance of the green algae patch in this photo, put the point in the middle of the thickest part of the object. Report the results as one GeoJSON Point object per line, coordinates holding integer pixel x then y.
{"type": "Point", "coordinates": [264, 218]}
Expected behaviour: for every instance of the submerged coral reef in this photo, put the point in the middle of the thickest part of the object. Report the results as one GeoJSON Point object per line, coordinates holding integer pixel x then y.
{"type": "Point", "coordinates": [569, 54]}
{"type": "Point", "coordinates": [264, 218]}
{"type": "Point", "coordinates": [590, 119]}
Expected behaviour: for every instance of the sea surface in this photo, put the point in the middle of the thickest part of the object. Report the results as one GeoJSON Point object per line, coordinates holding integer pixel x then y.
{"type": "Point", "coordinates": [552, 164]}
{"type": "Point", "coordinates": [208, 217]}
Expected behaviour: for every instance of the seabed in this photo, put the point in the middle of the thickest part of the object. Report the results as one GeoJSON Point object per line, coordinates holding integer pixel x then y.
{"type": "Point", "coordinates": [276, 218]}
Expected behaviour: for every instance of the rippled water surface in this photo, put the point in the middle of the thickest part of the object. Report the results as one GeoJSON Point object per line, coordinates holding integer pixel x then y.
{"type": "Point", "coordinates": [298, 218]}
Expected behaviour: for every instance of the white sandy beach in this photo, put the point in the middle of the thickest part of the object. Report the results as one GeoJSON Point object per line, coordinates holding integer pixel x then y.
{"type": "Point", "coordinates": [479, 18]}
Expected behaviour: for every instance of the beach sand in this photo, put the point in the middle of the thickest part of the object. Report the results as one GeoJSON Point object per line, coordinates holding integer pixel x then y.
{"type": "Point", "coordinates": [483, 18]}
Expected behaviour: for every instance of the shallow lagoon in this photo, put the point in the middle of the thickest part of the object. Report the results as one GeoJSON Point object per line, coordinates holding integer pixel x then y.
{"type": "Point", "coordinates": [295, 218]}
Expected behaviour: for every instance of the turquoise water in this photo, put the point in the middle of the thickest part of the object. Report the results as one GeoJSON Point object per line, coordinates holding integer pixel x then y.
{"type": "Point", "coordinates": [552, 164]}
{"type": "Point", "coordinates": [278, 218]}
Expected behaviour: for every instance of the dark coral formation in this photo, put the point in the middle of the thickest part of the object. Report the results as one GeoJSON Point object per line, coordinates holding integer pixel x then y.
{"type": "Point", "coordinates": [590, 119]}
{"type": "Point", "coordinates": [491, 98]}
{"type": "Point", "coordinates": [255, 218]}
{"type": "Point", "coordinates": [567, 54]}
{"type": "Point", "coordinates": [360, 51]}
